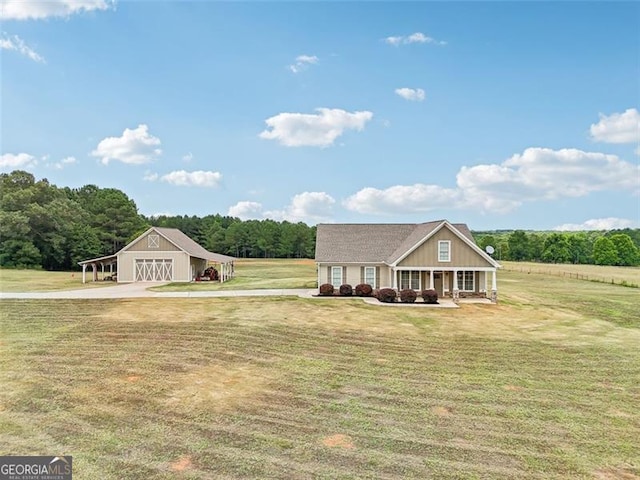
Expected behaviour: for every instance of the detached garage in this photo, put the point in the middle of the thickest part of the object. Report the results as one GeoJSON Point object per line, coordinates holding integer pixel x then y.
{"type": "Point", "coordinates": [160, 255]}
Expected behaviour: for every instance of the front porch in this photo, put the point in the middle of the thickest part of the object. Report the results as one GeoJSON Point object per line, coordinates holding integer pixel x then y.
{"type": "Point", "coordinates": [454, 283]}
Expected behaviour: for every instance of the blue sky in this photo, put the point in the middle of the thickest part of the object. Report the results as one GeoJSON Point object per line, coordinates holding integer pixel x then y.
{"type": "Point", "coordinates": [497, 114]}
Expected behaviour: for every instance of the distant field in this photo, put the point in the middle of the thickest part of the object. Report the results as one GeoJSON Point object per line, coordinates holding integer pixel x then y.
{"type": "Point", "coordinates": [606, 274]}
{"type": "Point", "coordinates": [258, 274]}
{"type": "Point", "coordinates": [43, 281]}
{"type": "Point", "coordinates": [543, 385]}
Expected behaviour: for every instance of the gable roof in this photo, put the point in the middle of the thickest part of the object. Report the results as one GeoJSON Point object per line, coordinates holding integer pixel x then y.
{"type": "Point", "coordinates": [381, 243]}
{"type": "Point", "coordinates": [185, 243]}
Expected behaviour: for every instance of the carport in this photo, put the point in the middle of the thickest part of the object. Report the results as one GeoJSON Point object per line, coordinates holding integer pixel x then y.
{"type": "Point", "coordinates": [102, 262]}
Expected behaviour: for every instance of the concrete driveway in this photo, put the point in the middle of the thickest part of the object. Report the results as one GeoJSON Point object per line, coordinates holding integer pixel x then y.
{"type": "Point", "coordinates": [140, 290]}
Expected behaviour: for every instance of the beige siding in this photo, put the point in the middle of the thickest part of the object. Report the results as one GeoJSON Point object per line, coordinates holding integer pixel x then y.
{"type": "Point", "coordinates": [199, 266]}
{"type": "Point", "coordinates": [352, 274]}
{"type": "Point", "coordinates": [462, 255]}
{"type": "Point", "coordinates": [181, 267]}
{"type": "Point", "coordinates": [142, 245]}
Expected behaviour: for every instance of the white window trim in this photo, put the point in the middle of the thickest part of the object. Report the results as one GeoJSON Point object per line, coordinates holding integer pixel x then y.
{"type": "Point", "coordinates": [411, 275]}
{"type": "Point", "coordinates": [443, 242]}
{"type": "Point", "coordinates": [333, 269]}
{"type": "Point", "coordinates": [373, 284]}
{"type": "Point", "coordinates": [462, 283]}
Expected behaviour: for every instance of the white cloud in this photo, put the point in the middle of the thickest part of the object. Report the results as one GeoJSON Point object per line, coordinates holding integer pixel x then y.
{"type": "Point", "coordinates": [609, 223]}
{"type": "Point", "coordinates": [39, 9]}
{"type": "Point", "coordinates": [150, 176]}
{"type": "Point", "coordinates": [400, 199]}
{"type": "Point", "coordinates": [617, 127]}
{"type": "Point", "coordinates": [21, 160]}
{"type": "Point", "coordinates": [134, 147]}
{"type": "Point", "coordinates": [314, 206]}
{"type": "Point", "coordinates": [199, 178]}
{"type": "Point", "coordinates": [302, 63]}
{"type": "Point", "coordinates": [187, 158]}
{"type": "Point", "coordinates": [544, 174]}
{"type": "Point", "coordinates": [65, 162]}
{"type": "Point", "coordinates": [417, 37]}
{"type": "Point", "coordinates": [412, 94]}
{"type": "Point", "coordinates": [15, 43]}
{"type": "Point", "coordinates": [536, 174]}
{"type": "Point", "coordinates": [314, 130]}
{"type": "Point", "coordinates": [246, 210]}
{"type": "Point", "coordinates": [304, 207]}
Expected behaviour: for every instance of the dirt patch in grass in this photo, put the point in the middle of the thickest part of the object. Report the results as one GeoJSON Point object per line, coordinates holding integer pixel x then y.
{"type": "Point", "coordinates": [181, 464]}
{"type": "Point", "coordinates": [616, 473]}
{"type": "Point", "coordinates": [512, 388]}
{"type": "Point", "coordinates": [217, 388]}
{"type": "Point", "coordinates": [442, 411]}
{"type": "Point", "coordinates": [338, 441]}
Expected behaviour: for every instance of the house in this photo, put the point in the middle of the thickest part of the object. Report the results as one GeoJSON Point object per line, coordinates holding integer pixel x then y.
{"type": "Point", "coordinates": [438, 255]}
{"type": "Point", "coordinates": [160, 255]}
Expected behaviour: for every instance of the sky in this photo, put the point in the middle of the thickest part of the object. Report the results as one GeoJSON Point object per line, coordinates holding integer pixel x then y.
{"type": "Point", "coordinates": [501, 115]}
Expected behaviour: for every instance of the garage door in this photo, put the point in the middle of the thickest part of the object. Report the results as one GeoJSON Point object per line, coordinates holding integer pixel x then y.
{"type": "Point", "coordinates": [154, 269]}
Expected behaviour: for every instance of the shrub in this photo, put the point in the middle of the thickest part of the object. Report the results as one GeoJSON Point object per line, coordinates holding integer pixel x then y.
{"type": "Point", "coordinates": [326, 289]}
{"type": "Point", "coordinates": [387, 295]}
{"type": "Point", "coordinates": [346, 290]}
{"type": "Point", "coordinates": [408, 295]}
{"type": "Point", "coordinates": [364, 290]}
{"type": "Point", "coordinates": [430, 296]}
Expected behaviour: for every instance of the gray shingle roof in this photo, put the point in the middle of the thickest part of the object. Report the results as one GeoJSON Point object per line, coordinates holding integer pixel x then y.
{"type": "Point", "coordinates": [373, 243]}
{"type": "Point", "coordinates": [181, 240]}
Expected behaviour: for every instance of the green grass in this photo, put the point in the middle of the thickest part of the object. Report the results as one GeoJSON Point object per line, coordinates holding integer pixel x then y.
{"type": "Point", "coordinates": [542, 386]}
{"type": "Point", "coordinates": [257, 274]}
{"type": "Point", "coordinates": [626, 276]}
{"type": "Point", "coordinates": [15, 280]}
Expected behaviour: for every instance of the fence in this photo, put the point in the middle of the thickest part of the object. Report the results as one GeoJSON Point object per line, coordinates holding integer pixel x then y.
{"type": "Point", "coordinates": [574, 275]}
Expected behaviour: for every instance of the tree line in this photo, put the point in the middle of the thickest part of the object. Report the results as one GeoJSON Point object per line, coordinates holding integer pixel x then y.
{"type": "Point", "coordinates": [614, 247]}
{"type": "Point", "coordinates": [44, 226]}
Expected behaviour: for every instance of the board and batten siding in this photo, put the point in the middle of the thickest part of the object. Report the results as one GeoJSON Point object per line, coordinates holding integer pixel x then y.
{"type": "Point", "coordinates": [462, 255]}
{"type": "Point", "coordinates": [181, 266]}
{"type": "Point", "coordinates": [142, 245]}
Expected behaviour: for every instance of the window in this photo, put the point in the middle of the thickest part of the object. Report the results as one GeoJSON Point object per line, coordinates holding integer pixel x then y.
{"type": "Point", "coordinates": [466, 281]}
{"type": "Point", "coordinates": [336, 277]}
{"type": "Point", "coordinates": [409, 279]}
{"type": "Point", "coordinates": [153, 241]}
{"type": "Point", "coordinates": [444, 251]}
{"type": "Point", "coordinates": [370, 276]}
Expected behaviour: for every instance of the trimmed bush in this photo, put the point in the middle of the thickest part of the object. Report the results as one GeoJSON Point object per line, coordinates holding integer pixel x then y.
{"type": "Point", "coordinates": [387, 295]}
{"type": "Point", "coordinates": [346, 290]}
{"type": "Point", "coordinates": [364, 290]}
{"type": "Point", "coordinates": [326, 289]}
{"type": "Point", "coordinates": [408, 295]}
{"type": "Point", "coordinates": [430, 296]}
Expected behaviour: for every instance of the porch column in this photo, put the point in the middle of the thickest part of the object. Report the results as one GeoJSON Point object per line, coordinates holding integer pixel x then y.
{"type": "Point", "coordinates": [431, 279]}
{"type": "Point", "coordinates": [456, 290]}
{"type": "Point", "coordinates": [102, 264]}
{"type": "Point", "coordinates": [395, 278]}
{"type": "Point", "coordinates": [84, 273]}
{"type": "Point", "coordinates": [494, 287]}
{"type": "Point", "coordinates": [95, 272]}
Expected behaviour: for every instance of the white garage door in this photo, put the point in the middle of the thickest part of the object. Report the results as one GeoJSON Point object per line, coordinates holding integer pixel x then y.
{"type": "Point", "coordinates": [154, 269]}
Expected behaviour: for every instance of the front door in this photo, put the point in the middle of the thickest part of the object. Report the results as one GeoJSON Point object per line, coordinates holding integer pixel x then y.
{"type": "Point", "coordinates": [437, 283]}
